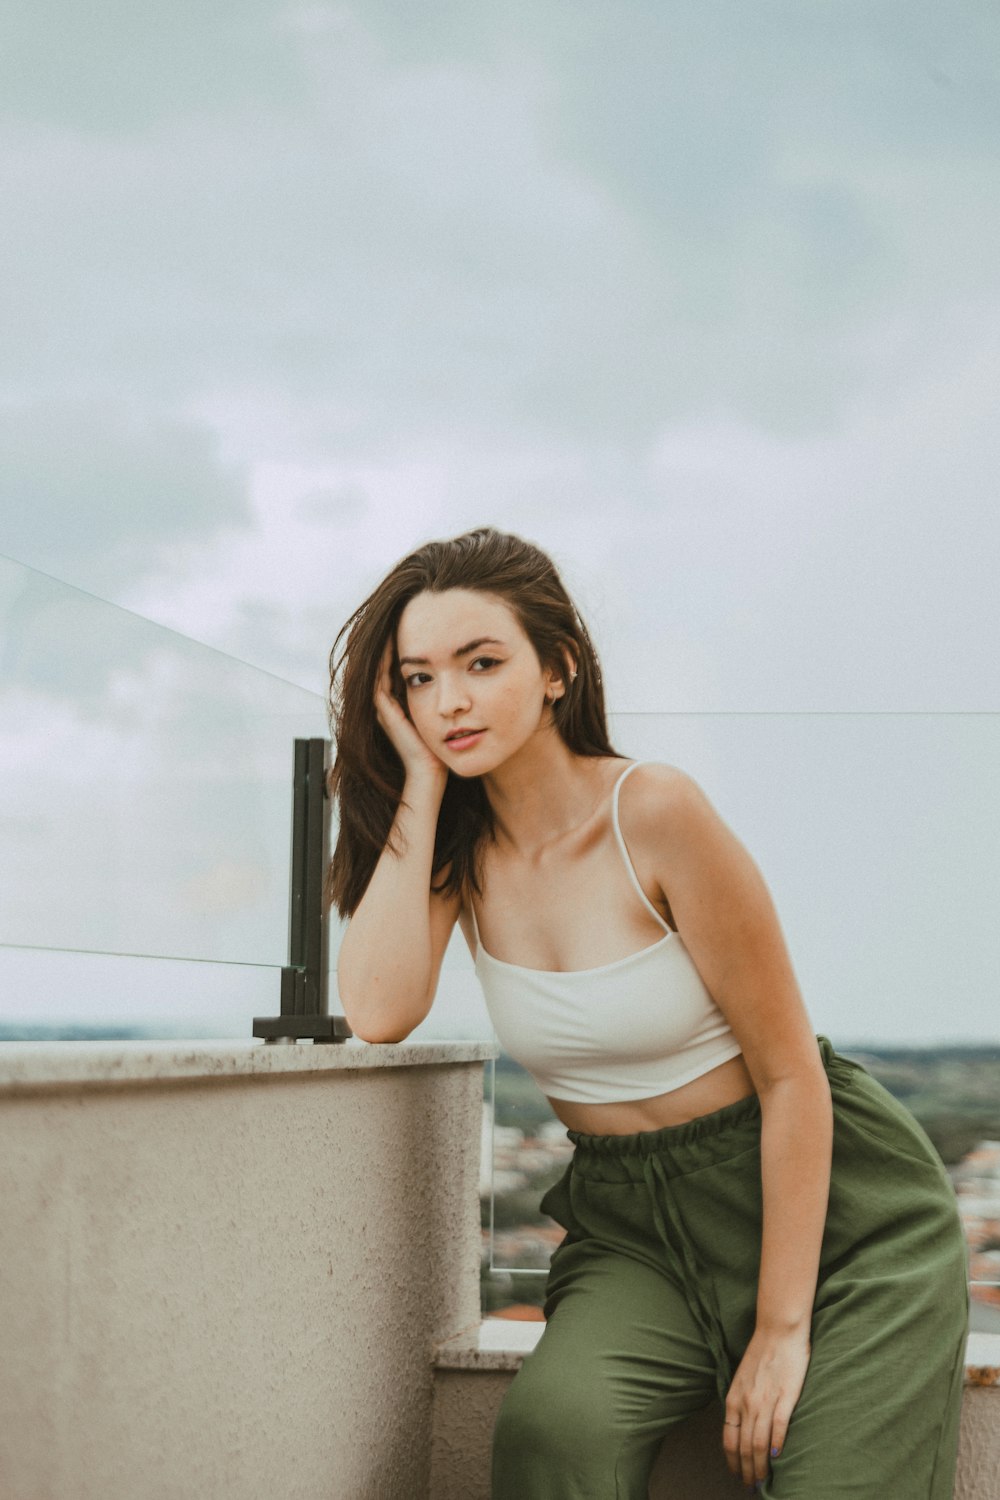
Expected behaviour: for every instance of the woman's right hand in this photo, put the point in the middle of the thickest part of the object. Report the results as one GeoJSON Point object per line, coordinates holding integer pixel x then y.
{"type": "Point", "coordinates": [417, 757]}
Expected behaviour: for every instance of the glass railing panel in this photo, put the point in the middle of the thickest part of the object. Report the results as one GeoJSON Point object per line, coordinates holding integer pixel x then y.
{"type": "Point", "coordinates": [145, 801]}
{"type": "Point", "coordinates": [54, 994]}
{"type": "Point", "coordinates": [879, 838]}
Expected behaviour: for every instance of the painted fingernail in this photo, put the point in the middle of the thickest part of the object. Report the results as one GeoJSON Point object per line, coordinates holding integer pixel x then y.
{"type": "Point", "coordinates": [775, 1452]}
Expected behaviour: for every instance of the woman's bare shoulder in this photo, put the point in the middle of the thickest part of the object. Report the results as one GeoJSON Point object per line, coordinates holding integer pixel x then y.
{"type": "Point", "coordinates": [659, 799]}
{"type": "Point", "coordinates": [655, 783]}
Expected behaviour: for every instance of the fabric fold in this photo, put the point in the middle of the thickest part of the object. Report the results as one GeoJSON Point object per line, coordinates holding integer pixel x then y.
{"type": "Point", "coordinates": [680, 1245]}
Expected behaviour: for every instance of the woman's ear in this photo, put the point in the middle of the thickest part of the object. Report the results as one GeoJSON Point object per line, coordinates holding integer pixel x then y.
{"type": "Point", "coordinates": [557, 683]}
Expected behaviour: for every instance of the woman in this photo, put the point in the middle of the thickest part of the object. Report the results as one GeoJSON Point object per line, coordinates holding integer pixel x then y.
{"type": "Point", "coordinates": [747, 1213]}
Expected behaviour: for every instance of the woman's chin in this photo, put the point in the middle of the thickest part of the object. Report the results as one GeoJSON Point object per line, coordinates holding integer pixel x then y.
{"type": "Point", "coordinates": [474, 762]}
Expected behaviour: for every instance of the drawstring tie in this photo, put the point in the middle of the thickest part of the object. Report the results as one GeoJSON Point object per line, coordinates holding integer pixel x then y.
{"type": "Point", "coordinates": [678, 1242]}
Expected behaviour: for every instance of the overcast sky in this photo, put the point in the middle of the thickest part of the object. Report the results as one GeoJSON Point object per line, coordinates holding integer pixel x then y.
{"type": "Point", "coordinates": [705, 298]}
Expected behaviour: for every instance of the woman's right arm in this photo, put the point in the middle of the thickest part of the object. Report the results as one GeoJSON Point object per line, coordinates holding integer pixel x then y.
{"type": "Point", "coordinates": [390, 956]}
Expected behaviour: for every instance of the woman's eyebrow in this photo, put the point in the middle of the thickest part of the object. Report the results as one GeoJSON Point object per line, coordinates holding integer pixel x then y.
{"type": "Point", "coordinates": [422, 661]}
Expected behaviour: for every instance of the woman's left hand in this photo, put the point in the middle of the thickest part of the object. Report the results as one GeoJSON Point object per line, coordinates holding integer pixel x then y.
{"type": "Point", "coordinates": [761, 1398]}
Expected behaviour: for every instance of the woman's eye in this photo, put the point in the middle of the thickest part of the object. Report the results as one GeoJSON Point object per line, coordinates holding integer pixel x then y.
{"type": "Point", "coordinates": [411, 681]}
{"type": "Point", "coordinates": [490, 661]}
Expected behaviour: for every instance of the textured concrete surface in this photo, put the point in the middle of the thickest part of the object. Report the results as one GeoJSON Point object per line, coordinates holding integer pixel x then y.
{"type": "Point", "coordinates": [465, 1410]}
{"type": "Point", "coordinates": [495, 1344]}
{"type": "Point", "coordinates": [26, 1067]}
{"type": "Point", "coordinates": [232, 1285]}
{"type": "Point", "coordinates": [979, 1454]}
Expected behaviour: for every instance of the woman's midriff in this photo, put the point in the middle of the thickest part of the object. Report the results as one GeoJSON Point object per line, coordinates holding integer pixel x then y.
{"type": "Point", "coordinates": [713, 1090]}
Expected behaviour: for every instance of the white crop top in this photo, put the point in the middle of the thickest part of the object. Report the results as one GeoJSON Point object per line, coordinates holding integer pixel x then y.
{"type": "Point", "coordinates": [639, 1026]}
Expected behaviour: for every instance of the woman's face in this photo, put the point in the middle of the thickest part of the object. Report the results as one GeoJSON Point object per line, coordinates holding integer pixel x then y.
{"type": "Point", "coordinates": [467, 665]}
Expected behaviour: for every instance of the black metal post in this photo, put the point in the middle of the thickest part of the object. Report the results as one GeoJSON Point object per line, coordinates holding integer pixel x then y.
{"type": "Point", "coordinates": [305, 978]}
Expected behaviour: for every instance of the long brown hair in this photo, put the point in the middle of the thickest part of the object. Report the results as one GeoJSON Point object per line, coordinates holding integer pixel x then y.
{"type": "Point", "coordinates": [367, 776]}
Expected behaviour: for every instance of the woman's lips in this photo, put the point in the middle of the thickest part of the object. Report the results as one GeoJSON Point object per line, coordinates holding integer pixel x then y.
{"type": "Point", "coordinates": [465, 741]}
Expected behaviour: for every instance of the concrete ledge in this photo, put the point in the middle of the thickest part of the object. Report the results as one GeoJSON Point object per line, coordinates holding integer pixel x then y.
{"type": "Point", "coordinates": [493, 1344]}
{"type": "Point", "coordinates": [502, 1343]}
{"type": "Point", "coordinates": [29, 1067]}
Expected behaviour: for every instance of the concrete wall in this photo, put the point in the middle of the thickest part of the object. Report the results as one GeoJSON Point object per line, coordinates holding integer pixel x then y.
{"type": "Point", "coordinates": [223, 1273]}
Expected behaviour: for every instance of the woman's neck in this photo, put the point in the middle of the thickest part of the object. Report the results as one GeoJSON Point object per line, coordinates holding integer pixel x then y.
{"type": "Point", "coordinates": [543, 793]}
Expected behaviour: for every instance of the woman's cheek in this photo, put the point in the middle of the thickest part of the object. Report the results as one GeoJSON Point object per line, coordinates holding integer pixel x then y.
{"type": "Point", "coordinates": [422, 728]}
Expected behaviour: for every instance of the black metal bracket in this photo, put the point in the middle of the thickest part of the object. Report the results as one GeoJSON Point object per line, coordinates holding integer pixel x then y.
{"type": "Point", "coordinates": [305, 978]}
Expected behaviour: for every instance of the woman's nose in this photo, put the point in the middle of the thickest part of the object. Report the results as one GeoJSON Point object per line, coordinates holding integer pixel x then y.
{"type": "Point", "coordinates": [454, 698]}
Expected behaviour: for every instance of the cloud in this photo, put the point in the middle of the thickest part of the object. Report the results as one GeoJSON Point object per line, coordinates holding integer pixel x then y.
{"type": "Point", "coordinates": [123, 66]}
{"type": "Point", "coordinates": [332, 507]}
{"type": "Point", "coordinates": [394, 243]}
{"type": "Point", "coordinates": [586, 231]}
{"type": "Point", "coordinates": [95, 489]}
{"type": "Point", "coordinates": [721, 565]}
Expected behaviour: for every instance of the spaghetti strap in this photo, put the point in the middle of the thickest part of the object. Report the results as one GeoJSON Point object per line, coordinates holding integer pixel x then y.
{"type": "Point", "coordinates": [624, 851]}
{"type": "Point", "coordinates": [475, 924]}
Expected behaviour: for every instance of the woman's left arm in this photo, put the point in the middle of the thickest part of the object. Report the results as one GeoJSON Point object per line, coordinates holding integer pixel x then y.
{"type": "Point", "coordinates": [729, 926]}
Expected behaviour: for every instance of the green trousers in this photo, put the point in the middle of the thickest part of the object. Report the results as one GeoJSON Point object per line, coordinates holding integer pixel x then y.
{"type": "Point", "coordinates": [651, 1299]}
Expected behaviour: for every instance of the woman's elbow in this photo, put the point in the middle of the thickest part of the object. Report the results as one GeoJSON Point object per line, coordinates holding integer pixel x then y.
{"type": "Point", "coordinates": [378, 1038]}
{"type": "Point", "coordinates": [380, 1029]}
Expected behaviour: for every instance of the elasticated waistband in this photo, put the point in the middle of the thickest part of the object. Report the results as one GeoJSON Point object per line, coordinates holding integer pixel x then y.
{"type": "Point", "coordinates": [711, 1131]}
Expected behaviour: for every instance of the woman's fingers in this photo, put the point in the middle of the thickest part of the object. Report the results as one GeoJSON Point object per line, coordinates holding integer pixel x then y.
{"type": "Point", "coordinates": [383, 680]}
{"type": "Point", "coordinates": [746, 1448]}
{"type": "Point", "coordinates": [749, 1438]}
{"type": "Point", "coordinates": [387, 706]}
{"type": "Point", "coordinates": [754, 1443]}
{"type": "Point", "coordinates": [415, 755]}
{"type": "Point", "coordinates": [731, 1429]}
{"type": "Point", "coordinates": [779, 1427]}
{"type": "Point", "coordinates": [759, 1437]}
{"type": "Point", "coordinates": [760, 1402]}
